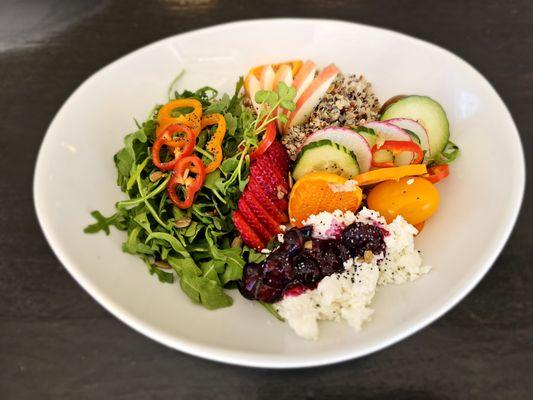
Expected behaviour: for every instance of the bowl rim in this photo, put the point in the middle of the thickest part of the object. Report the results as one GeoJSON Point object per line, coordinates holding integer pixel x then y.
{"type": "Point", "coordinates": [248, 359]}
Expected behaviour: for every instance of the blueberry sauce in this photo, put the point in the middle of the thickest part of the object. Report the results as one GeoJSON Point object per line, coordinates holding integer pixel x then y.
{"type": "Point", "coordinates": [301, 262]}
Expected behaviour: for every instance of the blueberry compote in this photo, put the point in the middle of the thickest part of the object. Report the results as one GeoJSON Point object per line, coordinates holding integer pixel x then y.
{"type": "Point", "coordinates": [300, 262]}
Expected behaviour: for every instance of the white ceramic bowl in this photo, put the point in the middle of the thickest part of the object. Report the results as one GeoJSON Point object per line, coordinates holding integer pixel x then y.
{"type": "Point", "coordinates": [75, 174]}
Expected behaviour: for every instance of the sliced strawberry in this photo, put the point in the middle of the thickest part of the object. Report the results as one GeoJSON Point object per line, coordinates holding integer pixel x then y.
{"type": "Point", "coordinates": [279, 177]}
{"type": "Point", "coordinates": [249, 237]}
{"type": "Point", "coordinates": [279, 214]}
{"type": "Point", "coordinates": [272, 184]}
{"type": "Point", "coordinates": [270, 202]}
{"type": "Point", "coordinates": [253, 221]}
{"type": "Point", "coordinates": [278, 155]}
{"type": "Point", "coordinates": [262, 215]}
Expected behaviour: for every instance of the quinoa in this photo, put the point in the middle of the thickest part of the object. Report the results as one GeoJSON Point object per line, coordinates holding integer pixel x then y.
{"type": "Point", "coordinates": [348, 102]}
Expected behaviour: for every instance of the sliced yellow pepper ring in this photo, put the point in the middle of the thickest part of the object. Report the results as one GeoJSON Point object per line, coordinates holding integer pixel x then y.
{"type": "Point", "coordinates": [214, 146]}
{"type": "Point", "coordinates": [192, 119]}
{"type": "Point", "coordinates": [385, 174]}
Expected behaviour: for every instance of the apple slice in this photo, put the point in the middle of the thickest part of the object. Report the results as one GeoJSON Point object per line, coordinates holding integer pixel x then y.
{"type": "Point", "coordinates": [304, 77]}
{"type": "Point", "coordinates": [252, 86]}
{"type": "Point", "coordinates": [302, 80]}
{"type": "Point", "coordinates": [309, 99]}
{"type": "Point", "coordinates": [284, 74]}
{"type": "Point", "coordinates": [267, 78]}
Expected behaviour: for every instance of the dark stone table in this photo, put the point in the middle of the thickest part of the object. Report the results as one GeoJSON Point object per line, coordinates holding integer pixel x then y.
{"type": "Point", "coordinates": [57, 343]}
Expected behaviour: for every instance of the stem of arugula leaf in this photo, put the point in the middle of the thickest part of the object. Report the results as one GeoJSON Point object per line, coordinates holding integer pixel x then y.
{"type": "Point", "coordinates": [203, 152]}
{"type": "Point", "coordinates": [215, 192]}
{"type": "Point", "coordinates": [156, 191]}
{"type": "Point", "coordinates": [149, 206]}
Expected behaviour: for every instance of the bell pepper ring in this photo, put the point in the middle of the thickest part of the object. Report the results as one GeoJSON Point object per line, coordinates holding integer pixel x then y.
{"type": "Point", "coordinates": [384, 174]}
{"type": "Point", "coordinates": [437, 173]}
{"type": "Point", "coordinates": [181, 144]}
{"type": "Point", "coordinates": [181, 176]}
{"type": "Point", "coordinates": [191, 119]}
{"type": "Point", "coordinates": [393, 148]}
{"type": "Point", "coordinates": [268, 139]}
{"type": "Point", "coordinates": [214, 146]}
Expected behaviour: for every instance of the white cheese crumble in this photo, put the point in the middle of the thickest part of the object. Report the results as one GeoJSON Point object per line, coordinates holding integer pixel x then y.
{"type": "Point", "coordinates": [347, 295]}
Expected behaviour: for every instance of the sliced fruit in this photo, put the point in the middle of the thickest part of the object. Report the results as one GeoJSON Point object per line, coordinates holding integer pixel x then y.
{"type": "Point", "coordinates": [428, 113]}
{"type": "Point", "coordinates": [349, 139]}
{"type": "Point", "coordinates": [267, 78]}
{"type": "Point", "coordinates": [310, 98]}
{"type": "Point", "coordinates": [272, 183]}
{"type": "Point", "coordinates": [394, 173]}
{"type": "Point", "coordinates": [386, 131]}
{"type": "Point", "coordinates": [249, 237]}
{"type": "Point", "coordinates": [278, 155]}
{"type": "Point", "coordinates": [369, 135]}
{"type": "Point", "coordinates": [253, 221]}
{"type": "Point", "coordinates": [283, 74]}
{"type": "Point", "coordinates": [278, 177]}
{"type": "Point", "coordinates": [410, 125]}
{"type": "Point", "coordinates": [262, 215]}
{"type": "Point", "coordinates": [295, 66]}
{"type": "Point", "coordinates": [280, 205]}
{"type": "Point", "coordinates": [303, 79]}
{"type": "Point", "coordinates": [326, 156]}
{"type": "Point", "coordinates": [252, 86]}
{"type": "Point", "coordinates": [317, 192]}
{"type": "Point", "coordinates": [280, 215]}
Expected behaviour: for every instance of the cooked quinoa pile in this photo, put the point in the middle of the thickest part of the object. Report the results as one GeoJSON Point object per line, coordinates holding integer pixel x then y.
{"type": "Point", "coordinates": [349, 102]}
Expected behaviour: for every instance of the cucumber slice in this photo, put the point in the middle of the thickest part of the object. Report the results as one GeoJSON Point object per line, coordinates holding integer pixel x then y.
{"type": "Point", "coordinates": [325, 156]}
{"type": "Point", "coordinates": [428, 113]}
{"type": "Point", "coordinates": [368, 134]}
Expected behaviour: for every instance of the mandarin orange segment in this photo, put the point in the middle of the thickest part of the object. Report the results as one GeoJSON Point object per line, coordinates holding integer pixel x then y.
{"type": "Point", "coordinates": [322, 191]}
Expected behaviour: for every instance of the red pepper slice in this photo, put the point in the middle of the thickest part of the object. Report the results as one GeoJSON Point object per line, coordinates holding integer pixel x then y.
{"type": "Point", "coordinates": [181, 176]}
{"type": "Point", "coordinates": [437, 173]}
{"type": "Point", "coordinates": [395, 147]}
{"type": "Point", "coordinates": [182, 145]}
{"type": "Point", "coordinates": [268, 139]}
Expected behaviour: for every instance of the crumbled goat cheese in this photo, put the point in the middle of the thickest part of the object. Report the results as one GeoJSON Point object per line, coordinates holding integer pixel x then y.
{"type": "Point", "coordinates": [347, 295]}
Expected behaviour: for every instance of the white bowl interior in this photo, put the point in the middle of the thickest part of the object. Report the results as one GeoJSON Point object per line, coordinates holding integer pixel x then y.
{"type": "Point", "coordinates": [75, 174]}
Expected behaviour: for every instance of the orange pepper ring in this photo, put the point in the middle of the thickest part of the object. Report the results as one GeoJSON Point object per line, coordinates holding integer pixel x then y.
{"type": "Point", "coordinates": [192, 119]}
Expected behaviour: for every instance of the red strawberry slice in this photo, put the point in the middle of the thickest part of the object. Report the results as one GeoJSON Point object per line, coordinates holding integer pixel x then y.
{"type": "Point", "coordinates": [253, 221]}
{"type": "Point", "coordinates": [273, 185]}
{"type": "Point", "coordinates": [277, 154]}
{"type": "Point", "coordinates": [249, 237]}
{"type": "Point", "coordinates": [279, 214]}
{"type": "Point", "coordinates": [280, 177]}
{"type": "Point", "coordinates": [261, 214]}
{"type": "Point", "coordinates": [272, 204]}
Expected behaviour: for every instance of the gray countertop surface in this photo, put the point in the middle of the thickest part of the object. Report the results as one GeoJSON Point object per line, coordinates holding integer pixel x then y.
{"type": "Point", "coordinates": [56, 342]}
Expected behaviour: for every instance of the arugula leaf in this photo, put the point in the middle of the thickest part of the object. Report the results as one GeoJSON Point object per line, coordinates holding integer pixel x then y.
{"type": "Point", "coordinates": [102, 223]}
{"type": "Point", "coordinates": [164, 277]}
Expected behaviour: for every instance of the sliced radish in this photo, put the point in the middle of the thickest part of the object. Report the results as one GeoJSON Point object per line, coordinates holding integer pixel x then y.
{"type": "Point", "coordinates": [387, 131]}
{"type": "Point", "coordinates": [417, 129]}
{"type": "Point", "coordinates": [347, 138]}
{"type": "Point", "coordinates": [267, 78]}
{"type": "Point", "coordinates": [312, 95]}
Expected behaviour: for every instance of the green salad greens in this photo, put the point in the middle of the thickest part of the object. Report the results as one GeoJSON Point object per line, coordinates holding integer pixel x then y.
{"type": "Point", "coordinates": [199, 245]}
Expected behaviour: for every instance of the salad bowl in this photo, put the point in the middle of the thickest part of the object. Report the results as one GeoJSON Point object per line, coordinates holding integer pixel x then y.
{"type": "Point", "coordinates": [75, 175]}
